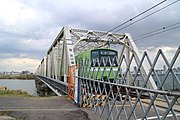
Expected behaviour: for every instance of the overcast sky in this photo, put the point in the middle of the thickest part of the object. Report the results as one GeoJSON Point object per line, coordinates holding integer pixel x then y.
{"type": "Point", "coordinates": [28, 27]}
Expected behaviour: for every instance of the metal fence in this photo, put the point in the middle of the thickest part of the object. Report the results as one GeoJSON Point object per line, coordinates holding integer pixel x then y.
{"type": "Point", "coordinates": [119, 92]}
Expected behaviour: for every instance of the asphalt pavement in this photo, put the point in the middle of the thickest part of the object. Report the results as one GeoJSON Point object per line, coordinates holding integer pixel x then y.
{"type": "Point", "coordinates": [60, 108]}
{"type": "Point", "coordinates": [43, 108]}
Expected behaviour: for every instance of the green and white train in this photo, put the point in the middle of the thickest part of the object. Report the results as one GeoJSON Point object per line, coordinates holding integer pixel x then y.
{"type": "Point", "coordinates": [102, 63]}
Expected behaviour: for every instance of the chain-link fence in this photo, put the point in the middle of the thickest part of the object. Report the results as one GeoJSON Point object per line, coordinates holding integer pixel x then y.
{"type": "Point", "coordinates": [121, 88]}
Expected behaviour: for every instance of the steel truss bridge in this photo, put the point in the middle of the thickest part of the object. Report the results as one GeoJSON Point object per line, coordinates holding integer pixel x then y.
{"type": "Point", "coordinates": [136, 90]}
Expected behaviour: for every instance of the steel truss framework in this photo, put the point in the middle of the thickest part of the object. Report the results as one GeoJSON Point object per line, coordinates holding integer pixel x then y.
{"type": "Point", "coordinates": [70, 42]}
{"type": "Point", "coordinates": [59, 64]}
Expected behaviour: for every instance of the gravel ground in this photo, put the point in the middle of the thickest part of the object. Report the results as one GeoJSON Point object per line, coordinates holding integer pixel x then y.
{"type": "Point", "coordinates": [44, 108]}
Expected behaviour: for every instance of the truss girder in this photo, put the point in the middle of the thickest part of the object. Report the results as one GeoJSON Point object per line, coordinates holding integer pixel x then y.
{"type": "Point", "coordinates": [71, 42]}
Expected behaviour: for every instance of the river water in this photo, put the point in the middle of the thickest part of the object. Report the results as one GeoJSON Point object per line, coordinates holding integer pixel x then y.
{"type": "Point", "coordinates": [30, 87]}
{"type": "Point", "coordinates": [25, 85]}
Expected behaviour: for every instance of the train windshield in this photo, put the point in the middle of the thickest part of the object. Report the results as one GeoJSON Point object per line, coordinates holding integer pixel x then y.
{"type": "Point", "coordinates": [108, 56]}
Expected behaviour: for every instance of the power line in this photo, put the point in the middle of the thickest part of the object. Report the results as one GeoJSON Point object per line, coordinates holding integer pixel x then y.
{"type": "Point", "coordinates": [154, 31]}
{"type": "Point", "coordinates": [157, 33]}
{"type": "Point", "coordinates": [148, 15]}
{"type": "Point", "coordinates": [137, 15]}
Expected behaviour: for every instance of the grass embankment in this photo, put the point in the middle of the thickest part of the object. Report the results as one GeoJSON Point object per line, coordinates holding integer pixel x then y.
{"type": "Point", "coordinates": [8, 114]}
{"type": "Point", "coordinates": [7, 92]}
{"type": "Point", "coordinates": [4, 113]}
{"type": "Point", "coordinates": [21, 76]}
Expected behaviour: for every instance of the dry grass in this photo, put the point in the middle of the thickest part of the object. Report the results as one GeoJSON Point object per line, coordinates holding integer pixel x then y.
{"type": "Point", "coordinates": [8, 92]}
{"type": "Point", "coordinates": [21, 76]}
{"type": "Point", "coordinates": [4, 113]}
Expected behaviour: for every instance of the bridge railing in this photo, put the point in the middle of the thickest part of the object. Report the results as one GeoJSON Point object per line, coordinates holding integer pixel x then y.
{"type": "Point", "coordinates": [104, 88]}
{"type": "Point", "coordinates": [59, 87]}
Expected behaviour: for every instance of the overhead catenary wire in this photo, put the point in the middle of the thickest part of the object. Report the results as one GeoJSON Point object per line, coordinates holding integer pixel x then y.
{"type": "Point", "coordinates": [138, 15]}
{"type": "Point", "coordinates": [157, 30]}
{"type": "Point", "coordinates": [129, 20]}
{"type": "Point", "coordinates": [156, 33]}
{"type": "Point", "coordinates": [147, 15]}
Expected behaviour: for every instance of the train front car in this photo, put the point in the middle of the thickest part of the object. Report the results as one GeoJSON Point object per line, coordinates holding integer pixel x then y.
{"type": "Point", "coordinates": [104, 64]}
{"type": "Point", "coordinates": [100, 64]}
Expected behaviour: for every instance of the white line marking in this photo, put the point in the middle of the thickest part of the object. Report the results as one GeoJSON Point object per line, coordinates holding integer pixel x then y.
{"type": "Point", "coordinates": [155, 117]}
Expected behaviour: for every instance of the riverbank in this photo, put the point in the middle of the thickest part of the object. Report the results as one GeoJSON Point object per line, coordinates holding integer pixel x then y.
{"type": "Point", "coordinates": [20, 84]}
{"type": "Point", "coordinates": [20, 76]}
{"type": "Point", "coordinates": [4, 91]}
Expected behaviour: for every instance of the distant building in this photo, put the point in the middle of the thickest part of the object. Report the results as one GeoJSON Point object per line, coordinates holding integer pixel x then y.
{"type": "Point", "coordinates": [159, 71]}
{"type": "Point", "coordinates": [135, 69]}
{"type": "Point", "coordinates": [15, 73]}
{"type": "Point", "coordinates": [175, 70]}
{"type": "Point", "coordinates": [26, 72]}
{"type": "Point", "coordinates": [178, 69]}
{"type": "Point", "coordinates": [164, 68]}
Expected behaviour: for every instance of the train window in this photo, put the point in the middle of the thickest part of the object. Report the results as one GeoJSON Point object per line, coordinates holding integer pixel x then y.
{"type": "Point", "coordinates": [109, 56]}
{"type": "Point", "coordinates": [94, 57]}
{"type": "Point", "coordinates": [107, 52]}
{"type": "Point", "coordinates": [95, 54]}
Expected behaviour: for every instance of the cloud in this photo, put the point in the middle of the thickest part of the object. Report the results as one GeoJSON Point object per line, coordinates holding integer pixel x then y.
{"type": "Point", "coordinates": [27, 28]}
{"type": "Point", "coordinates": [169, 53]}
{"type": "Point", "coordinates": [32, 44]}
{"type": "Point", "coordinates": [12, 64]}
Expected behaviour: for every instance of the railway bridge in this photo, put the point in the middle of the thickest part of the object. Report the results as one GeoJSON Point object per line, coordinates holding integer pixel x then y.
{"type": "Point", "coordinates": [104, 71]}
